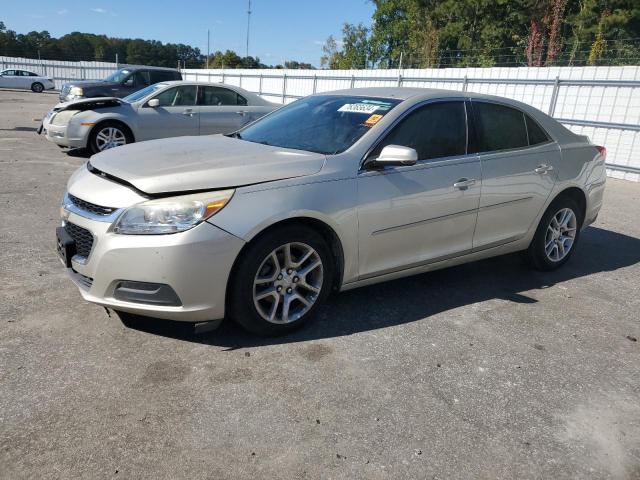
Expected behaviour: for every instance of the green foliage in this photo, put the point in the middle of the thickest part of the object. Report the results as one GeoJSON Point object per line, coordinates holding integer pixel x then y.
{"type": "Point", "coordinates": [441, 33]}
{"type": "Point", "coordinates": [355, 51]}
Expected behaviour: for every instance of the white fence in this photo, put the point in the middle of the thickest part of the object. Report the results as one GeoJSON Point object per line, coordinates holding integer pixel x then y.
{"type": "Point", "coordinates": [601, 102]}
{"type": "Point", "coordinates": [59, 71]}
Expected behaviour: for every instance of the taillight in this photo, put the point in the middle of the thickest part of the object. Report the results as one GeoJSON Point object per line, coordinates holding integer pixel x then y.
{"type": "Point", "coordinates": [602, 151]}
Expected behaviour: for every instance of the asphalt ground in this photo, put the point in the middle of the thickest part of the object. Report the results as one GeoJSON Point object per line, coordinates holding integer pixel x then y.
{"type": "Point", "coordinates": [487, 370]}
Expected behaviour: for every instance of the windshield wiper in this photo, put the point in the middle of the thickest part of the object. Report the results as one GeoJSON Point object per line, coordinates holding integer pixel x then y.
{"type": "Point", "coordinates": [234, 135]}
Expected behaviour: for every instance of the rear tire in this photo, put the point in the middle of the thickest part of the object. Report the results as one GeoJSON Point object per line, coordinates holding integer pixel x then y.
{"type": "Point", "coordinates": [280, 280]}
{"type": "Point", "coordinates": [37, 87]}
{"type": "Point", "coordinates": [556, 236]}
{"type": "Point", "coordinates": [108, 135]}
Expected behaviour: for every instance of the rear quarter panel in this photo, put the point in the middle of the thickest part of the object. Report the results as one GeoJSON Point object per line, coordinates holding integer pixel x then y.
{"type": "Point", "coordinates": [582, 166]}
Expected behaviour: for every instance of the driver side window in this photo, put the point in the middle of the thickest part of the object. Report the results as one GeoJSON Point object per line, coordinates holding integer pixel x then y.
{"type": "Point", "coordinates": [141, 79]}
{"type": "Point", "coordinates": [435, 130]}
{"type": "Point", "coordinates": [178, 96]}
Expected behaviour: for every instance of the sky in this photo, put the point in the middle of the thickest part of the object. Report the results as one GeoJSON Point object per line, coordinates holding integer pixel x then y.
{"type": "Point", "coordinates": [280, 29]}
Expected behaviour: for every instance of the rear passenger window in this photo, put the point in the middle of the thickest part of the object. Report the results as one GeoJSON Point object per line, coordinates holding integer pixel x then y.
{"type": "Point", "coordinates": [434, 131]}
{"type": "Point", "coordinates": [218, 96]}
{"type": "Point", "coordinates": [536, 134]}
{"type": "Point", "coordinates": [500, 127]}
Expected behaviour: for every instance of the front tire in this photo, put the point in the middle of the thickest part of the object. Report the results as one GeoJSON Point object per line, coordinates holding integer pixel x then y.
{"type": "Point", "coordinates": [37, 87]}
{"type": "Point", "coordinates": [557, 235]}
{"type": "Point", "coordinates": [280, 281]}
{"type": "Point", "coordinates": [108, 135]}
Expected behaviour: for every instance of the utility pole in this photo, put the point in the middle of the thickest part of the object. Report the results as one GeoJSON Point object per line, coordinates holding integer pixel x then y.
{"type": "Point", "coordinates": [248, 25]}
{"type": "Point", "coordinates": [208, 51]}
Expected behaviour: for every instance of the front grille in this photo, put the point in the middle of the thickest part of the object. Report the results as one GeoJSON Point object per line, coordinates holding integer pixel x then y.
{"type": "Point", "coordinates": [91, 207]}
{"type": "Point", "coordinates": [82, 237]}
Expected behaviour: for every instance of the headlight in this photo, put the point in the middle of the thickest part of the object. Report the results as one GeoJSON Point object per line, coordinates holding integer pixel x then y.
{"type": "Point", "coordinates": [76, 91]}
{"type": "Point", "coordinates": [170, 215]}
{"type": "Point", "coordinates": [62, 118]}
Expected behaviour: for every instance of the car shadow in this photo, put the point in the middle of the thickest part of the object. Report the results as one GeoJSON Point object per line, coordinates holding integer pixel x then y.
{"type": "Point", "coordinates": [414, 298]}
{"type": "Point", "coordinates": [19, 129]}
{"type": "Point", "coordinates": [79, 152]}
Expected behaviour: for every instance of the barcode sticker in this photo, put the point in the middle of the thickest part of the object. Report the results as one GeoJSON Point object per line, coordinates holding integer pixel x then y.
{"type": "Point", "coordinates": [365, 108]}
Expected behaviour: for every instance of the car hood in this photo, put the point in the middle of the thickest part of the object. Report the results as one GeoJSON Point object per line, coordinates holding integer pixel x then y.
{"type": "Point", "coordinates": [208, 162]}
{"type": "Point", "coordinates": [87, 83]}
{"type": "Point", "coordinates": [89, 104]}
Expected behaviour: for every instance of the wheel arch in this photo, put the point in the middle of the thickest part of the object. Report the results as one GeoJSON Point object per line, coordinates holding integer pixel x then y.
{"type": "Point", "coordinates": [324, 229]}
{"type": "Point", "coordinates": [102, 121]}
{"type": "Point", "coordinates": [576, 194]}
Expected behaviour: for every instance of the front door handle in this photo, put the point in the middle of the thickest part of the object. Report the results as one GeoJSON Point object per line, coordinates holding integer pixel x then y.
{"type": "Point", "coordinates": [543, 169]}
{"type": "Point", "coordinates": [188, 111]}
{"type": "Point", "coordinates": [464, 183]}
{"type": "Point", "coordinates": [242, 113]}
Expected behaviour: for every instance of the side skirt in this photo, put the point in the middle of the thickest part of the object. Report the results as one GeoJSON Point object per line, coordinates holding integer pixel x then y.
{"type": "Point", "coordinates": [514, 246]}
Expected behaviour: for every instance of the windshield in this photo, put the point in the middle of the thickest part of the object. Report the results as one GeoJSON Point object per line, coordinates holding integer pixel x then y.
{"type": "Point", "coordinates": [140, 94]}
{"type": "Point", "coordinates": [327, 124]}
{"type": "Point", "coordinates": [118, 76]}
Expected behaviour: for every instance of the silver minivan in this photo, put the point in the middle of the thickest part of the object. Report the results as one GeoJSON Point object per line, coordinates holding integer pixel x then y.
{"type": "Point", "coordinates": [332, 192]}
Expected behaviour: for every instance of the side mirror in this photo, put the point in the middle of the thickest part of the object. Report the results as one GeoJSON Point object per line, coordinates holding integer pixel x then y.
{"type": "Point", "coordinates": [394, 156]}
{"type": "Point", "coordinates": [153, 103]}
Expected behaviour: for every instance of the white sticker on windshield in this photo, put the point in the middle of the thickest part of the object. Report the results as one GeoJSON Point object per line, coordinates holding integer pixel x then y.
{"type": "Point", "coordinates": [358, 108]}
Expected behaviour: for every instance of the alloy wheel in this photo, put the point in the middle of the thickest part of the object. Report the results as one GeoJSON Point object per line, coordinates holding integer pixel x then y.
{"type": "Point", "coordinates": [560, 235]}
{"type": "Point", "coordinates": [288, 283]}
{"type": "Point", "coordinates": [110, 137]}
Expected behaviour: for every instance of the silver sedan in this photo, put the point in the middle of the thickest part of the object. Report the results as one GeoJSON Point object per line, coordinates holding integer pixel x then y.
{"type": "Point", "coordinates": [26, 80]}
{"type": "Point", "coordinates": [332, 192]}
{"type": "Point", "coordinates": [167, 109]}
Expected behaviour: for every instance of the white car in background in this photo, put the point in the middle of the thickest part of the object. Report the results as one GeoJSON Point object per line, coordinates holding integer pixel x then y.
{"type": "Point", "coordinates": [23, 79]}
{"type": "Point", "coordinates": [167, 109]}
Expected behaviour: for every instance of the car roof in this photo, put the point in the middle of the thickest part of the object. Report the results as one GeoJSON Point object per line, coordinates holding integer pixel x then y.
{"type": "Point", "coordinates": [418, 94]}
{"type": "Point", "coordinates": [144, 67]}
{"type": "Point", "coordinates": [201, 82]}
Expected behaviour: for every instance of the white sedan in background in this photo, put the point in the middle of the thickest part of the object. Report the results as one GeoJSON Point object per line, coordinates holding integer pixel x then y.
{"type": "Point", "coordinates": [24, 79]}
{"type": "Point", "coordinates": [167, 109]}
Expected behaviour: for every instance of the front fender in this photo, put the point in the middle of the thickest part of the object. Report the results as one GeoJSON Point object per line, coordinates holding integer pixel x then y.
{"type": "Point", "coordinates": [254, 209]}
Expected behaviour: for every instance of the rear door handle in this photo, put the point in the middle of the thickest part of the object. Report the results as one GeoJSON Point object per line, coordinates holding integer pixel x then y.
{"type": "Point", "coordinates": [464, 183]}
{"type": "Point", "coordinates": [542, 169]}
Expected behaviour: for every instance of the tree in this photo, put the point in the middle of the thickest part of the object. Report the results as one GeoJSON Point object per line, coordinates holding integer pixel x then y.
{"type": "Point", "coordinates": [330, 53]}
{"type": "Point", "coordinates": [355, 51]}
